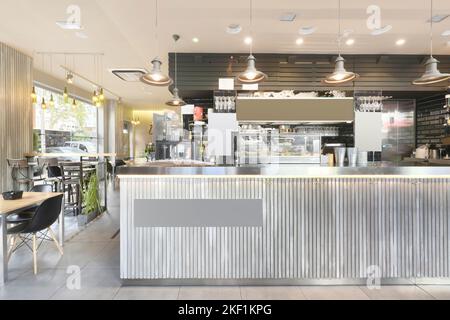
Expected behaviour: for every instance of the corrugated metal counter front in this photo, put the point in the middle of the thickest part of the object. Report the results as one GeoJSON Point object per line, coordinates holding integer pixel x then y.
{"type": "Point", "coordinates": [313, 230]}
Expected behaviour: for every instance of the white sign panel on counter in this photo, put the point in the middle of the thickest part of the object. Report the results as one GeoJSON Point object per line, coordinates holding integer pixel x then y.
{"type": "Point", "coordinates": [368, 131]}
{"type": "Point", "coordinates": [226, 83]}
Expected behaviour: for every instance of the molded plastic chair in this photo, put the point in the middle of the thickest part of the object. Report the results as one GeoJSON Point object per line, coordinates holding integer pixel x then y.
{"type": "Point", "coordinates": [38, 228]}
{"type": "Point", "coordinates": [29, 213]}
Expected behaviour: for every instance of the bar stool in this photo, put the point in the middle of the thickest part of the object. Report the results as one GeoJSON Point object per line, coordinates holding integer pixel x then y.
{"type": "Point", "coordinates": [54, 175]}
{"type": "Point", "coordinates": [71, 182]}
{"type": "Point", "coordinates": [19, 178]}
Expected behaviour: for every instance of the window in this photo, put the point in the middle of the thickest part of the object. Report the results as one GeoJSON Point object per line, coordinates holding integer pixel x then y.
{"type": "Point", "coordinates": [64, 127]}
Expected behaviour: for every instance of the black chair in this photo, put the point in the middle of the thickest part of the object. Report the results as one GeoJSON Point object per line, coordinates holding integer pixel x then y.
{"type": "Point", "coordinates": [38, 228]}
{"type": "Point", "coordinates": [28, 214]}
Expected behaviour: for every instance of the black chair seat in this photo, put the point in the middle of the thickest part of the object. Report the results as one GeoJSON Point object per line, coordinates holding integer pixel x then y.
{"type": "Point", "coordinates": [21, 216]}
{"type": "Point", "coordinates": [18, 228]}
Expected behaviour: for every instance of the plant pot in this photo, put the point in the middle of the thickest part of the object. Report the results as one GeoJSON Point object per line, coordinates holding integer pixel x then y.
{"type": "Point", "coordinates": [84, 219]}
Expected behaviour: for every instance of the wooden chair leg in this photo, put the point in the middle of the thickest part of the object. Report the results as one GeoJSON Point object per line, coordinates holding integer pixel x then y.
{"type": "Point", "coordinates": [52, 235]}
{"type": "Point", "coordinates": [34, 254]}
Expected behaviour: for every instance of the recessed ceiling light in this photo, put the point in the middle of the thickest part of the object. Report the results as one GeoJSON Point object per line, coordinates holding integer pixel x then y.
{"type": "Point", "coordinates": [400, 42]}
{"type": "Point", "coordinates": [307, 30]}
{"type": "Point", "coordinates": [350, 42]}
{"type": "Point", "coordinates": [195, 40]}
{"type": "Point", "coordinates": [446, 33]}
{"type": "Point", "coordinates": [248, 40]}
{"type": "Point", "coordinates": [234, 28]}
{"type": "Point", "coordinates": [288, 17]}
{"type": "Point", "coordinates": [68, 25]}
{"type": "Point", "coordinates": [377, 32]}
{"type": "Point", "coordinates": [438, 18]}
{"type": "Point", "coordinates": [299, 41]}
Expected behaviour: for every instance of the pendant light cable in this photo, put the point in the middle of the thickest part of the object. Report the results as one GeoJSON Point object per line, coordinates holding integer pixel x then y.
{"type": "Point", "coordinates": [431, 28]}
{"type": "Point", "coordinates": [251, 27]}
{"type": "Point", "coordinates": [339, 27]}
{"type": "Point", "coordinates": [156, 27]}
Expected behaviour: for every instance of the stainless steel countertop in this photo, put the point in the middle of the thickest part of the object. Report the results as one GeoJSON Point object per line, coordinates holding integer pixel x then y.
{"type": "Point", "coordinates": [297, 170]}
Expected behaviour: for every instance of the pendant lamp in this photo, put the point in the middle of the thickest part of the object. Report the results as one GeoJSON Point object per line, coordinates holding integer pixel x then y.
{"type": "Point", "coordinates": [251, 74]}
{"type": "Point", "coordinates": [176, 101]}
{"type": "Point", "coordinates": [432, 73]}
{"type": "Point", "coordinates": [155, 77]}
{"type": "Point", "coordinates": [340, 75]}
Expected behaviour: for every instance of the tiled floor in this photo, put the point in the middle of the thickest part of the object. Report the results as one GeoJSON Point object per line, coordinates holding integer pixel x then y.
{"type": "Point", "coordinates": [94, 252]}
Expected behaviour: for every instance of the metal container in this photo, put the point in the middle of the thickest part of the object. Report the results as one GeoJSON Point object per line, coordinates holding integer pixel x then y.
{"type": "Point", "coordinates": [434, 154]}
{"type": "Point", "coordinates": [352, 154]}
{"type": "Point", "coordinates": [339, 154]}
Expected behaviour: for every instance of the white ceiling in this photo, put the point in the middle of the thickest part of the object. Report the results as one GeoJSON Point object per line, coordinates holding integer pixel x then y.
{"type": "Point", "coordinates": [124, 31]}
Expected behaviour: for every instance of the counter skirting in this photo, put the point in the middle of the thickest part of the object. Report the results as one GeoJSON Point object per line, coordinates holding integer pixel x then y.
{"type": "Point", "coordinates": [312, 229]}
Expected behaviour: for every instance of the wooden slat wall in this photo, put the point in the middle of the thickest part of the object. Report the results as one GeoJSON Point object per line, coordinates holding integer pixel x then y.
{"type": "Point", "coordinates": [16, 113]}
{"type": "Point", "coordinates": [200, 71]}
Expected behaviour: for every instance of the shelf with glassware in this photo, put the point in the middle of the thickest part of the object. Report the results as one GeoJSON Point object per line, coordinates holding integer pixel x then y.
{"type": "Point", "coordinates": [225, 101]}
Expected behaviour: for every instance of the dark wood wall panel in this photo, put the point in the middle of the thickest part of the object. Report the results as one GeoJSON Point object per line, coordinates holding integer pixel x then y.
{"type": "Point", "coordinates": [200, 71]}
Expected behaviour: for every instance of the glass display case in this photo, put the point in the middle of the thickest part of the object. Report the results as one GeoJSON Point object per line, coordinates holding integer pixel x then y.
{"type": "Point", "coordinates": [259, 144]}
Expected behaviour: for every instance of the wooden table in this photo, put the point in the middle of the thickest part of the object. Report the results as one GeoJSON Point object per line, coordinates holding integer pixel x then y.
{"type": "Point", "coordinates": [7, 207]}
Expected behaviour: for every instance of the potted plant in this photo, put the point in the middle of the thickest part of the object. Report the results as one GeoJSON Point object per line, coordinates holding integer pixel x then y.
{"type": "Point", "coordinates": [91, 202]}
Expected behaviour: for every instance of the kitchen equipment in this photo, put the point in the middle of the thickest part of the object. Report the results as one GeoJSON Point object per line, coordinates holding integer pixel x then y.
{"type": "Point", "coordinates": [352, 154]}
{"type": "Point", "coordinates": [339, 154]}
{"type": "Point", "coordinates": [12, 195]}
{"type": "Point", "coordinates": [422, 152]}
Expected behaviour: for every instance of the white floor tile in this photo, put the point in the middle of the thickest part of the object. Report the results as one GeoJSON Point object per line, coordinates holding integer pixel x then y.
{"type": "Point", "coordinates": [210, 293]}
{"type": "Point", "coordinates": [272, 293]}
{"type": "Point", "coordinates": [397, 293]}
{"type": "Point", "coordinates": [334, 293]}
{"type": "Point", "coordinates": [147, 293]}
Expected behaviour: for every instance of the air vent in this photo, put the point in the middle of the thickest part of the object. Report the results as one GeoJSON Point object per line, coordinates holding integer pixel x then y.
{"type": "Point", "coordinates": [288, 17]}
{"type": "Point", "coordinates": [129, 75]}
{"type": "Point", "coordinates": [438, 18]}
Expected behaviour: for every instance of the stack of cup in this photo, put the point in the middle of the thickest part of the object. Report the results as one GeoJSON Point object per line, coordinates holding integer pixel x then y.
{"type": "Point", "coordinates": [339, 154]}
{"type": "Point", "coordinates": [352, 154]}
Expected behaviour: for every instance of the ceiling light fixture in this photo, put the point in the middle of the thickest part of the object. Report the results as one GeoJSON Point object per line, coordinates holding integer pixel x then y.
{"type": "Point", "coordinates": [299, 41]}
{"type": "Point", "coordinates": [195, 40]}
{"type": "Point", "coordinates": [66, 95]}
{"type": "Point", "coordinates": [234, 28]}
{"type": "Point", "coordinates": [306, 30]}
{"type": "Point", "coordinates": [69, 78]}
{"type": "Point", "coordinates": [43, 104]}
{"type": "Point", "coordinates": [33, 95]}
{"type": "Point", "coordinates": [248, 40]}
{"type": "Point", "coordinates": [340, 75]}
{"type": "Point", "coordinates": [176, 101]}
{"type": "Point", "coordinates": [155, 77]}
{"type": "Point", "coordinates": [432, 73]}
{"type": "Point", "coordinates": [350, 42]}
{"type": "Point", "coordinates": [400, 42]}
{"type": "Point", "coordinates": [438, 18]}
{"type": "Point", "coordinates": [74, 104]}
{"type": "Point", "coordinates": [251, 74]}
{"type": "Point", "coordinates": [51, 103]}
{"type": "Point", "coordinates": [446, 33]}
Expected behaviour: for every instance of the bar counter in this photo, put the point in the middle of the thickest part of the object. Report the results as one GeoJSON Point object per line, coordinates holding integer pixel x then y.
{"type": "Point", "coordinates": [287, 224]}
